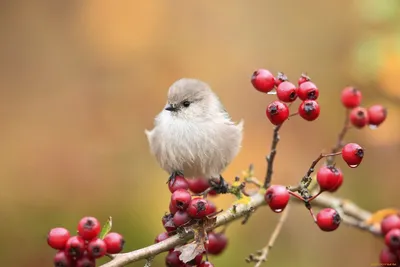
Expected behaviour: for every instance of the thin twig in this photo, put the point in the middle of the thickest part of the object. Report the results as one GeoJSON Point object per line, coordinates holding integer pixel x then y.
{"type": "Point", "coordinates": [262, 257]}
{"type": "Point", "coordinates": [342, 134]}
{"type": "Point", "coordinates": [270, 158]}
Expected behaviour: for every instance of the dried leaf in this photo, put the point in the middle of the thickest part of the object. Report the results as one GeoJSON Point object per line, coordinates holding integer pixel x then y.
{"type": "Point", "coordinates": [209, 222]}
{"type": "Point", "coordinates": [190, 251]}
{"type": "Point", "coordinates": [378, 216]}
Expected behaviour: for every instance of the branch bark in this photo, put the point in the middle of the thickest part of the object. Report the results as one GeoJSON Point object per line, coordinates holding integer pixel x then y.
{"type": "Point", "coordinates": [354, 218]}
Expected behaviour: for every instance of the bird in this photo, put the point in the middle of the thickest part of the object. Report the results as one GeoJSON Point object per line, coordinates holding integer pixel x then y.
{"type": "Point", "coordinates": [194, 135]}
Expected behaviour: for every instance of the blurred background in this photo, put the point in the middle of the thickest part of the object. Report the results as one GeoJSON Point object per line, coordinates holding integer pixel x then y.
{"type": "Point", "coordinates": [81, 80]}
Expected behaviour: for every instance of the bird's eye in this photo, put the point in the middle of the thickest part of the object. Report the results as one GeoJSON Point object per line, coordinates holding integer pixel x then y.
{"type": "Point", "coordinates": [186, 103]}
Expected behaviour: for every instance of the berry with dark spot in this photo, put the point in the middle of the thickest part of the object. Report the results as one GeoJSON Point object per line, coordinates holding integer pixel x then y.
{"type": "Point", "coordinates": [328, 219]}
{"type": "Point", "coordinates": [307, 90]}
{"type": "Point", "coordinates": [199, 208]}
{"type": "Point", "coordinates": [277, 197]}
{"type": "Point", "coordinates": [359, 117]}
{"type": "Point", "coordinates": [61, 259]}
{"type": "Point", "coordinates": [329, 178]}
{"type": "Point", "coordinates": [96, 248]}
{"type": "Point", "coordinates": [351, 97]}
{"type": "Point", "coordinates": [75, 246]}
{"type": "Point", "coordinates": [178, 183]}
{"type": "Point", "coordinates": [392, 239]}
{"type": "Point", "coordinates": [280, 78]}
{"type": "Point", "coordinates": [309, 110]}
{"type": "Point", "coordinates": [376, 114]}
{"type": "Point", "coordinates": [303, 78]}
{"type": "Point", "coordinates": [277, 112]}
{"type": "Point", "coordinates": [263, 80]}
{"type": "Point", "coordinates": [88, 228]}
{"type": "Point", "coordinates": [180, 199]}
{"type": "Point", "coordinates": [352, 154]}
{"type": "Point", "coordinates": [114, 242]}
{"type": "Point", "coordinates": [167, 221]}
{"type": "Point", "coordinates": [286, 92]}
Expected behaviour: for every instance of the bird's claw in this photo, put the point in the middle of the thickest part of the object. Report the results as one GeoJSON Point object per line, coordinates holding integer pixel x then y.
{"type": "Point", "coordinates": [221, 186]}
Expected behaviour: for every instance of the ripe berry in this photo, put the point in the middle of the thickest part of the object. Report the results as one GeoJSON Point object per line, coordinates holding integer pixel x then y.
{"type": "Point", "coordinates": [57, 237]}
{"type": "Point", "coordinates": [286, 92]}
{"type": "Point", "coordinates": [303, 78]}
{"type": "Point", "coordinates": [328, 219]}
{"type": "Point", "coordinates": [390, 222]}
{"type": "Point", "coordinates": [377, 114]}
{"type": "Point", "coordinates": [263, 80]}
{"type": "Point", "coordinates": [180, 218]}
{"type": "Point", "coordinates": [178, 183]}
{"type": "Point", "coordinates": [196, 261]}
{"type": "Point", "coordinates": [277, 112]}
{"type": "Point", "coordinates": [96, 248]}
{"type": "Point", "coordinates": [308, 90]}
{"type": "Point", "coordinates": [280, 78]}
{"type": "Point", "coordinates": [328, 178]}
{"type": "Point", "coordinates": [277, 197]}
{"type": "Point", "coordinates": [351, 97]}
{"type": "Point", "coordinates": [199, 208]}
{"type": "Point", "coordinates": [392, 239]}
{"type": "Point", "coordinates": [359, 117]}
{"type": "Point", "coordinates": [198, 185]}
{"type": "Point", "coordinates": [180, 199]}
{"type": "Point", "coordinates": [114, 242]}
{"type": "Point", "coordinates": [172, 208]}
{"type": "Point", "coordinates": [206, 264]}
{"type": "Point", "coordinates": [217, 242]}
{"type": "Point", "coordinates": [75, 246]}
{"type": "Point", "coordinates": [387, 257]}
{"type": "Point", "coordinates": [172, 259]}
{"type": "Point", "coordinates": [61, 259]}
{"type": "Point", "coordinates": [168, 222]}
{"type": "Point", "coordinates": [88, 228]}
{"type": "Point", "coordinates": [352, 154]}
{"type": "Point", "coordinates": [161, 237]}
{"type": "Point", "coordinates": [309, 110]}
{"type": "Point", "coordinates": [85, 262]}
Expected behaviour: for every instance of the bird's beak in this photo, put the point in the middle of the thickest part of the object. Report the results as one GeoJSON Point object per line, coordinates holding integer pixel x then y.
{"type": "Point", "coordinates": [170, 108]}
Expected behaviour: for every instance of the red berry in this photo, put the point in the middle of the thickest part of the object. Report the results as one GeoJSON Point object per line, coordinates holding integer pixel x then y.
{"type": "Point", "coordinates": [217, 242]}
{"type": "Point", "coordinates": [172, 208]}
{"type": "Point", "coordinates": [178, 183]}
{"type": "Point", "coordinates": [352, 154]}
{"type": "Point", "coordinates": [85, 261]}
{"type": "Point", "coordinates": [196, 261]}
{"type": "Point", "coordinates": [328, 178]}
{"type": "Point", "coordinates": [309, 110]}
{"type": "Point", "coordinates": [286, 92]}
{"type": "Point", "coordinates": [308, 90]}
{"type": "Point", "coordinates": [280, 78]}
{"type": "Point", "coordinates": [180, 218]}
{"type": "Point", "coordinates": [167, 221]}
{"type": "Point", "coordinates": [75, 246]}
{"type": "Point", "coordinates": [376, 114]}
{"type": "Point", "coordinates": [88, 228]}
{"type": "Point", "coordinates": [263, 80]}
{"type": "Point", "coordinates": [328, 219]}
{"type": "Point", "coordinates": [199, 208]}
{"type": "Point", "coordinates": [96, 248]}
{"type": "Point", "coordinates": [181, 199]}
{"type": "Point", "coordinates": [277, 112]}
{"type": "Point", "coordinates": [359, 117]}
{"type": "Point", "coordinates": [277, 197]}
{"type": "Point", "coordinates": [161, 237]}
{"type": "Point", "coordinates": [114, 242]}
{"type": "Point", "coordinates": [303, 78]}
{"type": "Point", "coordinates": [387, 257]}
{"type": "Point", "coordinates": [351, 97]}
{"type": "Point", "coordinates": [390, 222]}
{"type": "Point", "coordinates": [61, 259]}
{"type": "Point", "coordinates": [172, 259]}
{"type": "Point", "coordinates": [57, 237]}
{"type": "Point", "coordinates": [392, 239]}
{"type": "Point", "coordinates": [206, 264]}
{"type": "Point", "coordinates": [198, 185]}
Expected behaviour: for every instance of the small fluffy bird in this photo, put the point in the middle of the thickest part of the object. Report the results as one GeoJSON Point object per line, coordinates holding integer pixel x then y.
{"type": "Point", "coordinates": [194, 135]}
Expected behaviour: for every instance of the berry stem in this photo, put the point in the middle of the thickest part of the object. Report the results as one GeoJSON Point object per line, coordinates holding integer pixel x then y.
{"type": "Point", "coordinates": [262, 257]}
{"type": "Point", "coordinates": [342, 134]}
{"type": "Point", "coordinates": [270, 158]}
{"type": "Point", "coordinates": [293, 114]}
{"type": "Point", "coordinates": [296, 195]}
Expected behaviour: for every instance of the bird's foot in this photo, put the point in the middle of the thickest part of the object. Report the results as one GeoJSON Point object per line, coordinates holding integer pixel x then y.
{"type": "Point", "coordinates": [219, 185]}
{"type": "Point", "coordinates": [171, 179]}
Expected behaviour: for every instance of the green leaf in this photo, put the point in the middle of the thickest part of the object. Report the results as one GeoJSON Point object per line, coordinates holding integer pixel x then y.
{"type": "Point", "coordinates": [106, 228]}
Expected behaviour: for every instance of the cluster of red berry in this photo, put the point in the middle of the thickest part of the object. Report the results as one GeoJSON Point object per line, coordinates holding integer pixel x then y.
{"type": "Point", "coordinates": [329, 177]}
{"type": "Point", "coordinates": [390, 228]}
{"type": "Point", "coordinates": [83, 250]}
{"type": "Point", "coordinates": [186, 210]}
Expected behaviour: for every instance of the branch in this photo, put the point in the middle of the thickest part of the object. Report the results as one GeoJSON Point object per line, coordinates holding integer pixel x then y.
{"type": "Point", "coordinates": [350, 209]}
{"type": "Point", "coordinates": [263, 253]}
{"type": "Point", "coordinates": [342, 134]}
{"type": "Point", "coordinates": [270, 158]}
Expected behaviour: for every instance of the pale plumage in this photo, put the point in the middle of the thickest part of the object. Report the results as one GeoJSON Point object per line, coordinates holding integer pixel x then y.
{"type": "Point", "coordinates": [194, 134]}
